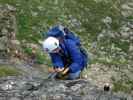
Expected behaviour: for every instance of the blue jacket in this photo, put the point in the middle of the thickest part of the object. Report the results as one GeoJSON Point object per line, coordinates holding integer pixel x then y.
{"type": "Point", "coordinates": [70, 49]}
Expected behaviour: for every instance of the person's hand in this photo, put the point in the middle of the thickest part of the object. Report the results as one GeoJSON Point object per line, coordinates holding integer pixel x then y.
{"type": "Point", "coordinates": [51, 70]}
{"type": "Point", "coordinates": [65, 71]}
{"type": "Point", "coordinates": [59, 69]}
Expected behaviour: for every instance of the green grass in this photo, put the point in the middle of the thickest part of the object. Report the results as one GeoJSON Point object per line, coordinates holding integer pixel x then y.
{"type": "Point", "coordinates": [40, 56]}
{"type": "Point", "coordinates": [27, 50]}
{"type": "Point", "coordinates": [8, 71]}
{"type": "Point", "coordinates": [123, 86]}
{"type": "Point", "coordinates": [36, 16]}
{"type": "Point", "coordinates": [89, 14]}
{"type": "Point", "coordinates": [130, 18]}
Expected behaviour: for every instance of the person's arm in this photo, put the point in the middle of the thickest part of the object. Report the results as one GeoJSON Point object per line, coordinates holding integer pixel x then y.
{"type": "Point", "coordinates": [56, 61]}
{"type": "Point", "coordinates": [76, 56]}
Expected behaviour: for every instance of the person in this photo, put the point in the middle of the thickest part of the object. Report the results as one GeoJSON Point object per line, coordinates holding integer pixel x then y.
{"type": "Point", "coordinates": [64, 49]}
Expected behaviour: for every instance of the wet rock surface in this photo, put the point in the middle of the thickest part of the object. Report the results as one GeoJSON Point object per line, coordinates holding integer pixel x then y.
{"type": "Point", "coordinates": [25, 88]}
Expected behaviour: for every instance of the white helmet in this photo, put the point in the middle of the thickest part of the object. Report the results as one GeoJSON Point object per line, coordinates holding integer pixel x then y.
{"type": "Point", "coordinates": [50, 44]}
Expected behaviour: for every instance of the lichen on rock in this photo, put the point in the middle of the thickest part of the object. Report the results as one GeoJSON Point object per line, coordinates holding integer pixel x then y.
{"type": "Point", "coordinates": [7, 30]}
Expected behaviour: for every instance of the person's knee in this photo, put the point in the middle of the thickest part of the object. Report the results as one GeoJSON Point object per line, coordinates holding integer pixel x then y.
{"type": "Point", "coordinates": [75, 75]}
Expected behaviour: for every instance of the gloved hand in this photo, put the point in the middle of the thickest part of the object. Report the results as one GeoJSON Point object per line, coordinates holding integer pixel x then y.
{"type": "Point", "coordinates": [59, 69]}
{"type": "Point", "coordinates": [62, 74]}
{"type": "Point", "coordinates": [62, 70]}
{"type": "Point", "coordinates": [51, 70]}
{"type": "Point", "coordinates": [65, 71]}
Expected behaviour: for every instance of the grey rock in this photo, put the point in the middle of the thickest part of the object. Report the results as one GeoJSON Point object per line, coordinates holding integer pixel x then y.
{"type": "Point", "coordinates": [11, 8]}
{"type": "Point", "coordinates": [56, 90]}
{"type": "Point", "coordinates": [3, 43]}
{"type": "Point", "coordinates": [15, 98]}
{"type": "Point", "coordinates": [107, 20]}
{"type": "Point", "coordinates": [8, 30]}
{"type": "Point", "coordinates": [4, 31]}
{"type": "Point", "coordinates": [127, 8]}
{"type": "Point", "coordinates": [15, 42]}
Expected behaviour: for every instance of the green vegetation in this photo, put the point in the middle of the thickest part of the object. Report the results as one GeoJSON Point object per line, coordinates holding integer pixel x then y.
{"type": "Point", "coordinates": [8, 71]}
{"type": "Point", "coordinates": [42, 58]}
{"type": "Point", "coordinates": [85, 17]}
{"type": "Point", "coordinates": [28, 50]}
{"type": "Point", "coordinates": [130, 18]}
{"type": "Point", "coordinates": [82, 17]}
{"type": "Point", "coordinates": [122, 85]}
{"type": "Point", "coordinates": [36, 16]}
{"type": "Point", "coordinates": [39, 57]}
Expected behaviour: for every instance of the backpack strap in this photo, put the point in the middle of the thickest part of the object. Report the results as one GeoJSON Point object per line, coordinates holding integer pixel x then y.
{"type": "Point", "coordinates": [86, 57]}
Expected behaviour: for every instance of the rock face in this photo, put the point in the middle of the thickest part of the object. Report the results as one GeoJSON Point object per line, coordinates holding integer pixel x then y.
{"type": "Point", "coordinates": [19, 88]}
{"type": "Point", "coordinates": [110, 46]}
{"type": "Point", "coordinates": [127, 8]}
{"type": "Point", "coordinates": [7, 30]}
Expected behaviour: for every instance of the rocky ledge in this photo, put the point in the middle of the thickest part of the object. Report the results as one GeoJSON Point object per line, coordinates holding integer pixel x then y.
{"type": "Point", "coordinates": [24, 88]}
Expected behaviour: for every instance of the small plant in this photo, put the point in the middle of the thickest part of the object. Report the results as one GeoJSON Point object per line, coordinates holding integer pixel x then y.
{"type": "Point", "coordinates": [121, 85]}
{"type": "Point", "coordinates": [28, 50]}
{"type": "Point", "coordinates": [37, 55]}
{"type": "Point", "coordinates": [40, 58]}
{"type": "Point", "coordinates": [8, 71]}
